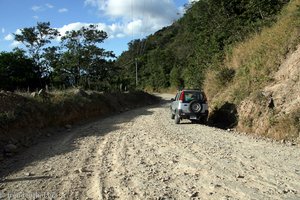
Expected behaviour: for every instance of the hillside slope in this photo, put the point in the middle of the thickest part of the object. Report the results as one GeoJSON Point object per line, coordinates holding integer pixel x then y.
{"type": "Point", "coordinates": [265, 87]}
{"type": "Point", "coordinates": [282, 119]}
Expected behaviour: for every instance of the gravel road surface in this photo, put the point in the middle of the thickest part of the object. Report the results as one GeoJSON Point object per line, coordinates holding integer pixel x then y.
{"type": "Point", "coordinates": [142, 154]}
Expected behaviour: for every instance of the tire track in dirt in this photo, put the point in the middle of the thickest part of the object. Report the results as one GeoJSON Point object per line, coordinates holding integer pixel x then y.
{"type": "Point", "coordinates": [142, 154]}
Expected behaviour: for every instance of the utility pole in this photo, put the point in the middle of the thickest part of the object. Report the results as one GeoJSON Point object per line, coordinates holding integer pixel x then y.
{"type": "Point", "coordinates": [136, 72]}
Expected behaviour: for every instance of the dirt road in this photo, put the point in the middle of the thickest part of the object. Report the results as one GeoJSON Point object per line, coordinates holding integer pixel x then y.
{"type": "Point", "coordinates": [141, 154]}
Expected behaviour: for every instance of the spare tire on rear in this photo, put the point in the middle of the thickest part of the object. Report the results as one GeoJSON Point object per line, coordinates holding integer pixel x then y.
{"type": "Point", "coordinates": [195, 107]}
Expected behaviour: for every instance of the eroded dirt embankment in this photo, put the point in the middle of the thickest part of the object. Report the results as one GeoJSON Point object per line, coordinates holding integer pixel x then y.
{"type": "Point", "coordinates": [142, 154]}
{"type": "Point", "coordinates": [275, 110]}
{"type": "Point", "coordinates": [25, 118]}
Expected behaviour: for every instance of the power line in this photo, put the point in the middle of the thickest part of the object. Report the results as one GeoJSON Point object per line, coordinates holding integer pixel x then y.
{"type": "Point", "coordinates": [142, 42]}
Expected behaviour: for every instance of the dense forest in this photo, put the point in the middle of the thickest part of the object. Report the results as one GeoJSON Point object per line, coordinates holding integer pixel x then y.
{"type": "Point", "coordinates": [180, 55]}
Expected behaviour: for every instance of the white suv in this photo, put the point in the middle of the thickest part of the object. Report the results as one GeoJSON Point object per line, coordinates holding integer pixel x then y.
{"type": "Point", "coordinates": [189, 104]}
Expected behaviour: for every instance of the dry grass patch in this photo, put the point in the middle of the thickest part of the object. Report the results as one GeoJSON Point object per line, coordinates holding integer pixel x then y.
{"type": "Point", "coordinates": [255, 62]}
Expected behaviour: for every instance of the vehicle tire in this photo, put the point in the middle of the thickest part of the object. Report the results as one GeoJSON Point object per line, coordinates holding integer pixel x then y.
{"type": "Point", "coordinates": [177, 118]}
{"type": "Point", "coordinates": [195, 107]}
{"type": "Point", "coordinates": [172, 115]}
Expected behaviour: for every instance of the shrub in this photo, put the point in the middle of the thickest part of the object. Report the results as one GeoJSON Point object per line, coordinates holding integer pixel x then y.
{"type": "Point", "coordinates": [225, 75]}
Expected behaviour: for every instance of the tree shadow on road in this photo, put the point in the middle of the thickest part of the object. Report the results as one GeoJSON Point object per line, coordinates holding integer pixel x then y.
{"type": "Point", "coordinates": [45, 146]}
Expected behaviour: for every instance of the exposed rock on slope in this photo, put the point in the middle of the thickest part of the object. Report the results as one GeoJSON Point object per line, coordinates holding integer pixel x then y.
{"type": "Point", "coordinates": [277, 106]}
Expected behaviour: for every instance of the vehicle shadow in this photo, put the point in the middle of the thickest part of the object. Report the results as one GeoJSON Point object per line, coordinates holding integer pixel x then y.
{"type": "Point", "coordinates": [226, 117]}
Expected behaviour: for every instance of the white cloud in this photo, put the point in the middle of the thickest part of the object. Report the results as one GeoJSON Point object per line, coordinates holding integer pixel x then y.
{"type": "Point", "coordinates": [18, 31]}
{"type": "Point", "coordinates": [36, 17]}
{"type": "Point", "coordinates": [15, 44]}
{"type": "Point", "coordinates": [129, 18]}
{"type": "Point", "coordinates": [134, 26]}
{"type": "Point", "coordinates": [120, 35]}
{"type": "Point", "coordinates": [73, 26]}
{"type": "Point", "coordinates": [181, 10]}
{"type": "Point", "coordinates": [115, 30]}
{"type": "Point", "coordinates": [133, 9]}
{"type": "Point", "coordinates": [62, 10]}
{"type": "Point", "coordinates": [137, 17]}
{"type": "Point", "coordinates": [40, 8]}
{"type": "Point", "coordinates": [9, 37]}
{"type": "Point", "coordinates": [95, 3]}
{"type": "Point", "coordinates": [2, 30]}
{"type": "Point", "coordinates": [37, 8]}
{"type": "Point", "coordinates": [90, 2]}
{"type": "Point", "coordinates": [191, 1]}
{"type": "Point", "coordinates": [49, 5]}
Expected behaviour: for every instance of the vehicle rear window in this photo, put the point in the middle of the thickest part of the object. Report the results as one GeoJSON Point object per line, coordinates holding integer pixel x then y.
{"type": "Point", "coordinates": [191, 96]}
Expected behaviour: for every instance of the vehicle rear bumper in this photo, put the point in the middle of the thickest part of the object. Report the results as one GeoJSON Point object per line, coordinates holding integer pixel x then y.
{"type": "Point", "coordinates": [193, 116]}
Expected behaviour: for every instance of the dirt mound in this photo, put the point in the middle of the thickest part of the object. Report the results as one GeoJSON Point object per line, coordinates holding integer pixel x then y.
{"type": "Point", "coordinates": [10, 101]}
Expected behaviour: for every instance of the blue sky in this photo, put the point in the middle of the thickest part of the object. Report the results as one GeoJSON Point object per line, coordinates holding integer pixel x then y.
{"type": "Point", "coordinates": [123, 20]}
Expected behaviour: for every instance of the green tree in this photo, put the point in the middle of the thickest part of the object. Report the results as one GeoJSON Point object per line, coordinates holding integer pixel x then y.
{"type": "Point", "coordinates": [35, 39]}
{"type": "Point", "coordinates": [82, 60]}
{"type": "Point", "coordinates": [176, 77]}
{"type": "Point", "coordinates": [17, 71]}
{"type": "Point", "coordinates": [52, 62]}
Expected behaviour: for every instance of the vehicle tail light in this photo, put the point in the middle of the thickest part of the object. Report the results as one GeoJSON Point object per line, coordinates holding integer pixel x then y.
{"type": "Point", "coordinates": [181, 98]}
